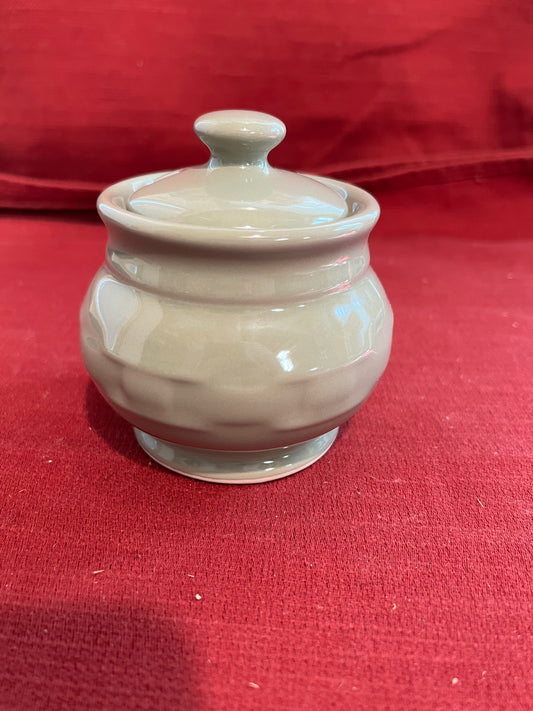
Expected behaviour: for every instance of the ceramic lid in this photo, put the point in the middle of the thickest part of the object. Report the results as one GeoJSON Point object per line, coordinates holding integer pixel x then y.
{"type": "Point", "coordinates": [238, 187]}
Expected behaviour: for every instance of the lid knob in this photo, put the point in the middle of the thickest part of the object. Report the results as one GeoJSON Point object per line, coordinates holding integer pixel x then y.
{"type": "Point", "coordinates": [239, 137]}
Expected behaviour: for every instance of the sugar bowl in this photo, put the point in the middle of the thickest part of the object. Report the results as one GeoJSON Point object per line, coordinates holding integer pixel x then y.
{"type": "Point", "coordinates": [236, 321]}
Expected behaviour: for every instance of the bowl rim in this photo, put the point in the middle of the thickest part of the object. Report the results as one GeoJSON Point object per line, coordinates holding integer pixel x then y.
{"type": "Point", "coordinates": [112, 208]}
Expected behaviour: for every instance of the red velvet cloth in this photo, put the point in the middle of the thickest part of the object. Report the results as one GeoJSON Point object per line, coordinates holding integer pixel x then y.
{"type": "Point", "coordinates": [395, 573]}
{"type": "Point", "coordinates": [376, 93]}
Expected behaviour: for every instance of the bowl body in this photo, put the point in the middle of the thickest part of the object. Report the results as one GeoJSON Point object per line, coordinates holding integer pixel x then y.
{"type": "Point", "coordinates": [236, 342]}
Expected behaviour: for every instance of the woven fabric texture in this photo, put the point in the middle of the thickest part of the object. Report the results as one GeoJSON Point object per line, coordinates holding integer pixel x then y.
{"type": "Point", "coordinates": [395, 573]}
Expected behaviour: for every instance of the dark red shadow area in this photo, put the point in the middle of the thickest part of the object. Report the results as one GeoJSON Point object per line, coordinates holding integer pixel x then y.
{"type": "Point", "coordinates": [92, 657]}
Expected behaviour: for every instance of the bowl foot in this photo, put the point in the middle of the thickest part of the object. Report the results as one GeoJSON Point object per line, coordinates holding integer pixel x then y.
{"type": "Point", "coordinates": [235, 467]}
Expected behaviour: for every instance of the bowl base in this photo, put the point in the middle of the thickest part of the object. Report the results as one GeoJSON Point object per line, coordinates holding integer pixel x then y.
{"type": "Point", "coordinates": [235, 467]}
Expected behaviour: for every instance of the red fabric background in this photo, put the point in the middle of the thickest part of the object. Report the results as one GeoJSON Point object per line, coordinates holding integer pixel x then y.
{"type": "Point", "coordinates": [382, 93]}
{"type": "Point", "coordinates": [395, 574]}
{"type": "Point", "coordinates": [399, 562]}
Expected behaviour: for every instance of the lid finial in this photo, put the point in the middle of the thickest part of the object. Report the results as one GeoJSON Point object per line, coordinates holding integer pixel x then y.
{"type": "Point", "coordinates": [239, 137]}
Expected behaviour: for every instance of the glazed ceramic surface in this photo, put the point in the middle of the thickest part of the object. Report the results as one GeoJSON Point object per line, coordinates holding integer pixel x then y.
{"type": "Point", "coordinates": [236, 350]}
